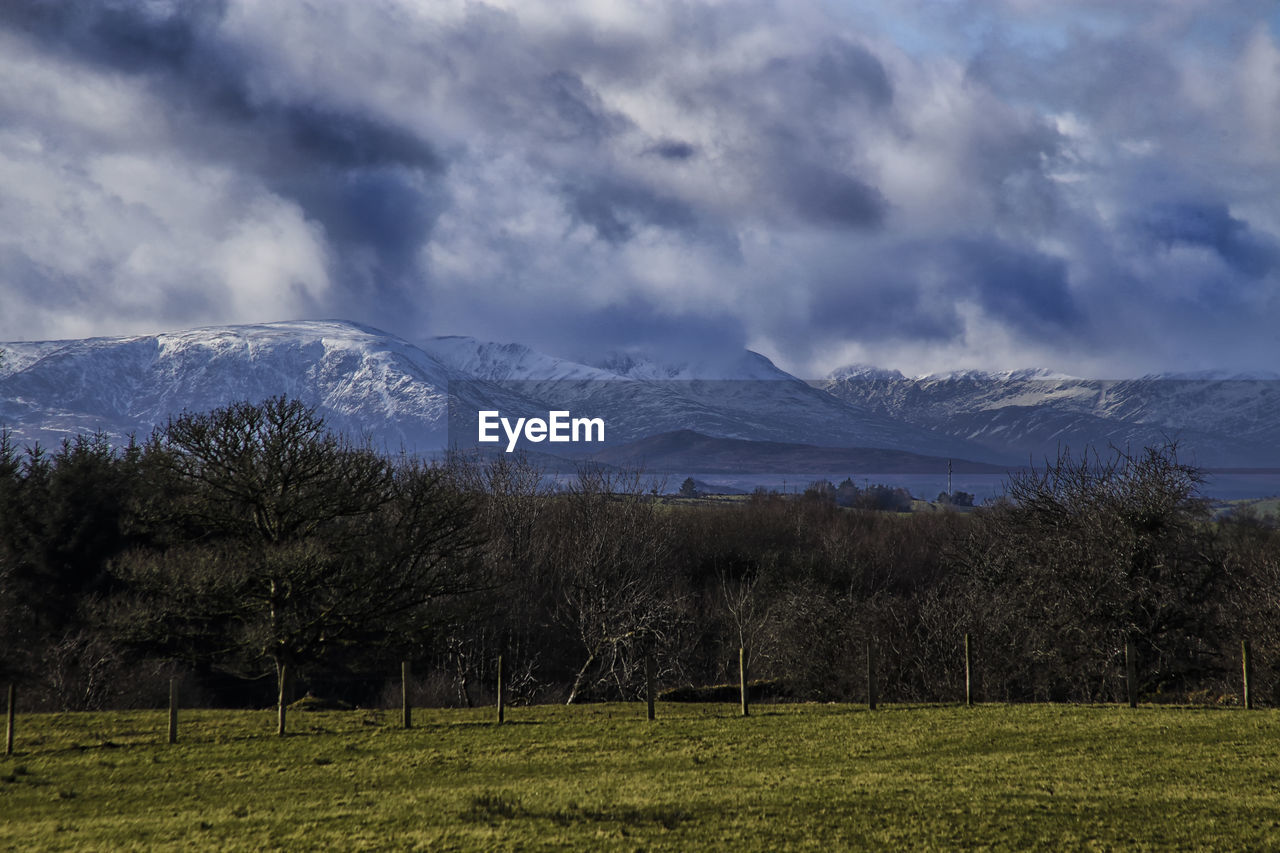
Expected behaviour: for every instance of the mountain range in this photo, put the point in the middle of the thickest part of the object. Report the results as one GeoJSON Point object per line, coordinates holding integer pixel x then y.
{"type": "Point", "coordinates": [423, 395]}
{"type": "Point", "coordinates": [1217, 420]}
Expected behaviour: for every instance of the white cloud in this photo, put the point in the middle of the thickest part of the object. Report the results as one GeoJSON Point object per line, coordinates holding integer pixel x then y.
{"type": "Point", "coordinates": [923, 184]}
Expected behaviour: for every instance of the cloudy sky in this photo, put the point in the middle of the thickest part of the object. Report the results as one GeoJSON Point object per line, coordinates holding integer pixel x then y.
{"type": "Point", "coordinates": [1087, 185]}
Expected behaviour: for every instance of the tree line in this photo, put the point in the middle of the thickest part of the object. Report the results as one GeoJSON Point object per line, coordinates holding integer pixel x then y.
{"type": "Point", "coordinates": [259, 555]}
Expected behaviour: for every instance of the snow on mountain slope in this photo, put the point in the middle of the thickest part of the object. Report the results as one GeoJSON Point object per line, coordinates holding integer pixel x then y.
{"type": "Point", "coordinates": [515, 362]}
{"type": "Point", "coordinates": [483, 360]}
{"type": "Point", "coordinates": [368, 384]}
{"type": "Point", "coordinates": [742, 365]}
{"type": "Point", "coordinates": [1217, 420]}
{"type": "Point", "coordinates": [740, 395]}
{"type": "Point", "coordinates": [363, 381]}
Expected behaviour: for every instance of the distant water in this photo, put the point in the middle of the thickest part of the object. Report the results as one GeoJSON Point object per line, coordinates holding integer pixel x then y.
{"type": "Point", "coordinates": [1222, 486]}
{"type": "Point", "coordinates": [1218, 486]}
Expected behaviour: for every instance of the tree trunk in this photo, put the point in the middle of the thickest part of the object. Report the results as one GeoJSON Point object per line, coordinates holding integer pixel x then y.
{"type": "Point", "coordinates": [464, 690]}
{"type": "Point", "coordinates": [577, 681]}
{"type": "Point", "coordinates": [282, 669]}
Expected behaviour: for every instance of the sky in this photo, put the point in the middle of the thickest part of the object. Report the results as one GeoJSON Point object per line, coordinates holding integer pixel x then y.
{"type": "Point", "coordinates": [927, 185]}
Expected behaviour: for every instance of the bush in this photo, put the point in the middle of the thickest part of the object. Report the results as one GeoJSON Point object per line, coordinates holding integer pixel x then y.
{"type": "Point", "coordinates": [761, 690]}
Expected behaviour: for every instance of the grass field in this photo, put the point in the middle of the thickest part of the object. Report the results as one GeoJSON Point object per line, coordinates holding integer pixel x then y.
{"type": "Point", "coordinates": [602, 778]}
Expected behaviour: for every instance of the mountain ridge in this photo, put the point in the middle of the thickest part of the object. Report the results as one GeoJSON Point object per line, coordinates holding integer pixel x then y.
{"type": "Point", "coordinates": [1222, 422]}
{"type": "Point", "coordinates": [403, 394]}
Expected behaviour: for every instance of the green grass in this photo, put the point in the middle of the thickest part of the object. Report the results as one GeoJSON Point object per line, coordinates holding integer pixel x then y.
{"type": "Point", "coordinates": [602, 778]}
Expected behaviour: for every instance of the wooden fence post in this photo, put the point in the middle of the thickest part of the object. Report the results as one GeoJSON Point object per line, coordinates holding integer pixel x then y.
{"type": "Point", "coordinates": [8, 732]}
{"type": "Point", "coordinates": [501, 698]}
{"type": "Point", "coordinates": [1131, 670]}
{"type": "Point", "coordinates": [405, 703]}
{"type": "Point", "coordinates": [968, 671]}
{"type": "Point", "coordinates": [648, 684]}
{"type": "Point", "coordinates": [742, 678]}
{"type": "Point", "coordinates": [283, 674]}
{"type": "Point", "coordinates": [1246, 664]}
{"type": "Point", "coordinates": [873, 692]}
{"type": "Point", "coordinates": [173, 710]}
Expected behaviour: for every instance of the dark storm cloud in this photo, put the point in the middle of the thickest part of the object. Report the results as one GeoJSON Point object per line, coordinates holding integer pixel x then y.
{"type": "Point", "coordinates": [367, 181]}
{"type": "Point", "coordinates": [827, 197]}
{"type": "Point", "coordinates": [126, 35]}
{"type": "Point", "coordinates": [582, 116]}
{"type": "Point", "coordinates": [880, 305]}
{"type": "Point", "coordinates": [640, 324]}
{"type": "Point", "coordinates": [910, 293]}
{"type": "Point", "coordinates": [1026, 288]}
{"type": "Point", "coordinates": [381, 209]}
{"type": "Point", "coordinates": [347, 141]}
{"type": "Point", "coordinates": [614, 208]}
{"type": "Point", "coordinates": [179, 47]}
{"type": "Point", "coordinates": [1212, 226]}
{"type": "Point", "coordinates": [845, 70]}
{"type": "Point", "coordinates": [673, 149]}
{"type": "Point", "coordinates": [836, 74]}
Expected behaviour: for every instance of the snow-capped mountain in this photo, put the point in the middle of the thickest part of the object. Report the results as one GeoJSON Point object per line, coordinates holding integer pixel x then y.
{"type": "Point", "coordinates": [398, 394]}
{"type": "Point", "coordinates": [365, 383]}
{"type": "Point", "coordinates": [485, 361]}
{"type": "Point", "coordinates": [741, 365]}
{"type": "Point", "coordinates": [423, 396]}
{"type": "Point", "coordinates": [1226, 420]}
{"type": "Point", "coordinates": [739, 395]}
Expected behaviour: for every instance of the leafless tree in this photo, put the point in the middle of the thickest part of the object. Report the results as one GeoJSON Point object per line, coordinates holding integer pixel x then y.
{"type": "Point", "coordinates": [1089, 551]}
{"type": "Point", "coordinates": [618, 590]}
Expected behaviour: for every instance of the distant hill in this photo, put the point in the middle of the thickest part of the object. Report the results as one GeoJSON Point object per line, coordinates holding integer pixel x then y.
{"type": "Point", "coordinates": [683, 451]}
{"type": "Point", "coordinates": [1219, 420]}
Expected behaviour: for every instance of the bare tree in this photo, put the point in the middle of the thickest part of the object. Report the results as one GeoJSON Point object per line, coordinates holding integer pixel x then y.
{"type": "Point", "coordinates": [288, 543]}
{"type": "Point", "coordinates": [1089, 551]}
{"type": "Point", "coordinates": [618, 591]}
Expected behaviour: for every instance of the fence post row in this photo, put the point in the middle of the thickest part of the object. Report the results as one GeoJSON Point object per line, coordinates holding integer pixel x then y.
{"type": "Point", "coordinates": [1130, 660]}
